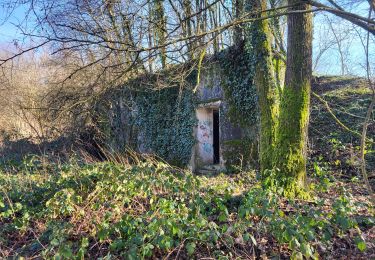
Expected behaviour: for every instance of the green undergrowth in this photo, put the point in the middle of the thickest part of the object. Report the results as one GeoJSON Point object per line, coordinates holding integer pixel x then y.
{"type": "Point", "coordinates": [152, 210]}
{"type": "Point", "coordinates": [348, 99]}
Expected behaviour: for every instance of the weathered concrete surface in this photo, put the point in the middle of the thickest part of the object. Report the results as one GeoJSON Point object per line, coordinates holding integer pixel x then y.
{"type": "Point", "coordinates": [211, 96]}
{"type": "Point", "coordinates": [237, 145]}
{"type": "Point", "coordinates": [204, 136]}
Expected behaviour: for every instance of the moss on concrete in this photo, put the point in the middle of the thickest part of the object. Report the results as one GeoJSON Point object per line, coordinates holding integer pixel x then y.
{"type": "Point", "coordinates": [239, 154]}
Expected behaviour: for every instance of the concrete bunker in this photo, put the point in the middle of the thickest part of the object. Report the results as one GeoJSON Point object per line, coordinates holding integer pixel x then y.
{"type": "Point", "coordinates": [200, 131]}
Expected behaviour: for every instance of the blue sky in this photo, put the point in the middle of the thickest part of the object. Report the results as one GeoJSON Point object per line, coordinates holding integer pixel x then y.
{"type": "Point", "coordinates": [329, 62]}
{"type": "Point", "coordinates": [351, 46]}
{"type": "Point", "coordinates": [8, 31]}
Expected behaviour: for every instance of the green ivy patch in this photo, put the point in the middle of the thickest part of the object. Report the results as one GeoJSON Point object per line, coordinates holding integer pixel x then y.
{"type": "Point", "coordinates": [165, 120]}
{"type": "Point", "coordinates": [237, 78]}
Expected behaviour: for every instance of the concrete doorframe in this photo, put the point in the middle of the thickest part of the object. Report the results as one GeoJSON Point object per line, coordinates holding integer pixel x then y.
{"type": "Point", "coordinates": [203, 150]}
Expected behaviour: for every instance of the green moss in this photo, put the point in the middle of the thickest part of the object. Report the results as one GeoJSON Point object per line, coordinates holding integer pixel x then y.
{"type": "Point", "coordinates": [240, 153]}
{"type": "Point", "coordinates": [290, 150]}
{"type": "Point", "coordinates": [234, 142]}
{"type": "Point", "coordinates": [284, 186]}
{"type": "Point", "coordinates": [258, 38]}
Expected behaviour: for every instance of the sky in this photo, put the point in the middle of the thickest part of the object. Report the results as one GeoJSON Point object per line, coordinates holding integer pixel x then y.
{"type": "Point", "coordinates": [351, 46]}
{"type": "Point", "coordinates": [8, 30]}
{"type": "Point", "coordinates": [329, 62]}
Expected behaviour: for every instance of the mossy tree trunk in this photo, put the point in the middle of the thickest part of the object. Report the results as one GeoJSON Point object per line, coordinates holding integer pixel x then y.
{"type": "Point", "coordinates": [291, 146]}
{"type": "Point", "coordinates": [279, 57]}
{"type": "Point", "coordinates": [265, 84]}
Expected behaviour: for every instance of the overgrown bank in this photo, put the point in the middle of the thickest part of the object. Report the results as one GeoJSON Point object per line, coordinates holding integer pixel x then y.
{"type": "Point", "coordinates": [150, 209]}
{"type": "Point", "coordinates": [329, 143]}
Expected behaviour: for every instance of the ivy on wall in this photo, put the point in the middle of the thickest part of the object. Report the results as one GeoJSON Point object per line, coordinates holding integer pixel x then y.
{"type": "Point", "coordinates": [237, 66]}
{"type": "Point", "coordinates": [165, 119]}
{"type": "Point", "coordinates": [237, 76]}
{"type": "Point", "coordinates": [159, 121]}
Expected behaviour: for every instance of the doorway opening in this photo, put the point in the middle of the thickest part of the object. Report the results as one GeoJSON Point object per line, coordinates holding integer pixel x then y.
{"type": "Point", "coordinates": [216, 136]}
{"type": "Point", "coordinates": [206, 152]}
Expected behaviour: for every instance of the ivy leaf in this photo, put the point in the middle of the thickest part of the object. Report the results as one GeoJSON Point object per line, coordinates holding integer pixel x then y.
{"type": "Point", "coordinates": [294, 243]}
{"type": "Point", "coordinates": [147, 249]}
{"type": "Point", "coordinates": [306, 250]}
{"type": "Point", "coordinates": [190, 247]}
{"type": "Point", "coordinates": [102, 235]}
{"type": "Point", "coordinates": [296, 256]}
{"type": "Point", "coordinates": [85, 242]}
{"type": "Point", "coordinates": [222, 217]}
{"type": "Point", "coordinates": [66, 252]}
{"type": "Point", "coordinates": [361, 244]}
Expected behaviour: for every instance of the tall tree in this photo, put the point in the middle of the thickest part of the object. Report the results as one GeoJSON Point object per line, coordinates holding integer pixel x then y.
{"type": "Point", "coordinates": [160, 30]}
{"type": "Point", "coordinates": [279, 57]}
{"type": "Point", "coordinates": [260, 37]}
{"type": "Point", "coordinates": [187, 27]}
{"type": "Point", "coordinates": [290, 153]}
{"type": "Point", "coordinates": [238, 6]}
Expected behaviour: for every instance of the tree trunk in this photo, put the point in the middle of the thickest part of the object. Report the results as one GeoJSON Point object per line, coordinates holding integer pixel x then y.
{"type": "Point", "coordinates": [238, 11]}
{"type": "Point", "coordinates": [279, 58]}
{"type": "Point", "coordinates": [188, 30]}
{"type": "Point", "coordinates": [214, 24]}
{"type": "Point", "coordinates": [265, 84]}
{"type": "Point", "coordinates": [290, 153]}
{"type": "Point", "coordinates": [160, 30]}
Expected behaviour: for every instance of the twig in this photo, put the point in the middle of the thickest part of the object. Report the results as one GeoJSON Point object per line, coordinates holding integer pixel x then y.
{"type": "Point", "coordinates": [368, 115]}
{"type": "Point", "coordinates": [325, 103]}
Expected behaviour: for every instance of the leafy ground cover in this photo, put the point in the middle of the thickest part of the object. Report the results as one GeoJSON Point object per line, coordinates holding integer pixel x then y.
{"type": "Point", "coordinates": [152, 210]}
{"type": "Point", "coordinates": [348, 99]}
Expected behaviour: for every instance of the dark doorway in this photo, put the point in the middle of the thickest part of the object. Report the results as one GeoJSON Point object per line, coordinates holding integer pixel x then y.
{"type": "Point", "coordinates": [216, 135]}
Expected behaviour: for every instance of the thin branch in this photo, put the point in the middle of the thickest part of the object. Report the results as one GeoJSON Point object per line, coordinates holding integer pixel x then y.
{"type": "Point", "coordinates": [326, 105]}
{"type": "Point", "coordinates": [3, 61]}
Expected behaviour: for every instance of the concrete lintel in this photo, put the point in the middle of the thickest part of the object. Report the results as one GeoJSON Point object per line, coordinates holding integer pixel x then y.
{"type": "Point", "coordinates": [215, 104]}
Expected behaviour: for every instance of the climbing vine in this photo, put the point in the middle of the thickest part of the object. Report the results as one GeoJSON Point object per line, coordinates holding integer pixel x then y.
{"type": "Point", "coordinates": [166, 119]}
{"type": "Point", "coordinates": [238, 84]}
{"type": "Point", "coordinates": [154, 120]}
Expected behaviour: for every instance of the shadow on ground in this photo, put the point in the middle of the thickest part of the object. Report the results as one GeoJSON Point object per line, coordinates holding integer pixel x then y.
{"type": "Point", "coordinates": [18, 149]}
{"type": "Point", "coordinates": [61, 148]}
